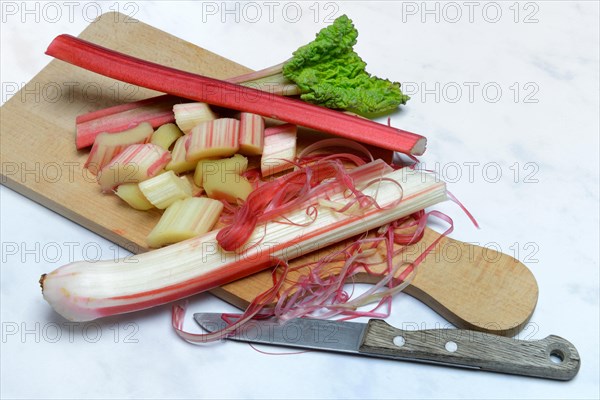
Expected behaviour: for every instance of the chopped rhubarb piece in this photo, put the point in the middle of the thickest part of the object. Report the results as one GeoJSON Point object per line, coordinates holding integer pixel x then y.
{"type": "Point", "coordinates": [132, 195]}
{"type": "Point", "coordinates": [218, 138]}
{"type": "Point", "coordinates": [185, 219]}
{"type": "Point", "coordinates": [135, 164]}
{"type": "Point", "coordinates": [108, 145]}
{"type": "Point", "coordinates": [279, 150]}
{"type": "Point", "coordinates": [166, 135]}
{"type": "Point", "coordinates": [252, 133]}
{"type": "Point", "coordinates": [228, 187]}
{"type": "Point", "coordinates": [156, 111]}
{"type": "Point", "coordinates": [222, 179]}
{"type": "Point", "coordinates": [188, 115]}
{"type": "Point", "coordinates": [235, 165]}
{"type": "Point", "coordinates": [165, 189]}
{"type": "Point", "coordinates": [197, 191]}
{"type": "Point", "coordinates": [178, 162]}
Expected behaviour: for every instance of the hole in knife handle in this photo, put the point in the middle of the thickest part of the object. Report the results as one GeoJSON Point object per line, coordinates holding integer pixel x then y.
{"type": "Point", "coordinates": [557, 356]}
{"type": "Point", "coordinates": [399, 341]}
{"type": "Point", "coordinates": [451, 346]}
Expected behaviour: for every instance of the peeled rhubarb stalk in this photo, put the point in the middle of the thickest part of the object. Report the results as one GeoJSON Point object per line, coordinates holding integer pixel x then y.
{"type": "Point", "coordinates": [135, 164]}
{"type": "Point", "coordinates": [86, 290]}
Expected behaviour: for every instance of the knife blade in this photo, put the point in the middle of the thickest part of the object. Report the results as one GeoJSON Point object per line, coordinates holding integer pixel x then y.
{"type": "Point", "coordinates": [552, 357]}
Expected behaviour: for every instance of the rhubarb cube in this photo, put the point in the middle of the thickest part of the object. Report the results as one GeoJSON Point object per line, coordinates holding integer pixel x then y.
{"type": "Point", "coordinates": [135, 164]}
{"type": "Point", "coordinates": [252, 134]}
{"type": "Point", "coordinates": [218, 138]}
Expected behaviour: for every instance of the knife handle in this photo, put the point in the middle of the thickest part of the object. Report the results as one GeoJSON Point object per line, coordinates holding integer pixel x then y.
{"type": "Point", "coordinates": [551, 358]}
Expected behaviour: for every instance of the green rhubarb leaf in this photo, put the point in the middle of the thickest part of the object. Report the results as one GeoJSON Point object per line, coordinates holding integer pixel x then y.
{"type": "Point", "coordinates": [329, 73]}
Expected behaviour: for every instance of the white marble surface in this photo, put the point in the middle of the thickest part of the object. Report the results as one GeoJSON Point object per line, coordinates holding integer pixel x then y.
{"type": "Point", "coordinates": [549, 212]}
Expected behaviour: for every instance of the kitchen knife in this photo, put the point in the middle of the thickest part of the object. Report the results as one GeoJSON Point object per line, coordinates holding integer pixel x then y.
{"type": "Point", "coordinates": [551, 358]}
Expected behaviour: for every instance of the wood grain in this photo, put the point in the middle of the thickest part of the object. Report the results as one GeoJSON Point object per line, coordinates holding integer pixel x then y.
{"type": "Point", "coordinates": [475, 289]}
{"type": "Point", "coordinates": [552, 357]}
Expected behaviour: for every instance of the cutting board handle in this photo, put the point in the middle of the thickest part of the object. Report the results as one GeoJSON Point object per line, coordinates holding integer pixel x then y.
{"type": "Point", "coordinates": [473, 287]}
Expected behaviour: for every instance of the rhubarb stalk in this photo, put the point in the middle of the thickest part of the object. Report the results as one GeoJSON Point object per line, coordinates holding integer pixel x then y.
{"type": "Point", "coordinates": [223, 94]}
{"type": "Point", "coordinates": [156, 111]}
{"type": "Point", "coordinates": [85, 290]}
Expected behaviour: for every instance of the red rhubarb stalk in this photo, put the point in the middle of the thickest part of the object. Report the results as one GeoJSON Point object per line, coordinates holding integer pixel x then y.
{"type": "Point", "coordinates": [156, 111]}
{"type": "Point", "coordinates": [224, 94]}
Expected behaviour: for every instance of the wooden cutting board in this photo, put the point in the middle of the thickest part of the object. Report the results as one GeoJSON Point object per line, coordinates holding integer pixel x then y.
{"type": "Point", "coordinates": [471, 287]}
